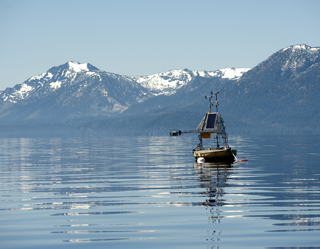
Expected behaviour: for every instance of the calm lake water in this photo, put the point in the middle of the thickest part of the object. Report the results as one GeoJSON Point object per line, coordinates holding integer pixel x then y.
{"type": "Point", "coordinates": [147, 192]}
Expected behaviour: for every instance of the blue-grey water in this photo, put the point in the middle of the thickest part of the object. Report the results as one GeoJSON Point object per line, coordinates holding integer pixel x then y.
{"type": "Point", "coordinates": [147, 192]}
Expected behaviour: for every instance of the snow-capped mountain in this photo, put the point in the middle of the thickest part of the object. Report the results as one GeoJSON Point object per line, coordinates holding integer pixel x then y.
{"type": "Point", "coordinates": [286, 65]}
{"type": "Point", "coordinates": [79, 89]}
{"type": "Point", "coordinates": [280, 93]}
{"type": "Point", "coordinates": [278, 96]}
{"type": "Point", "coordinates": [50, 81]}
{"type": "Point", "coordinates": [70, 73]}
{"type": "Point", "coordinates": [72, 90]}
{"type": "Point", "coordinates": [282, 90]}
{"type": "Point", "coordinates": [298, 58]}
{"type": "Point", "coordinates": [167, 83]}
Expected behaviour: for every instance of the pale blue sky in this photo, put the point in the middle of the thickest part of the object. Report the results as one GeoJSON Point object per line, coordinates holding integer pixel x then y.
{"type": "Point", "coordinates": [136, 37]}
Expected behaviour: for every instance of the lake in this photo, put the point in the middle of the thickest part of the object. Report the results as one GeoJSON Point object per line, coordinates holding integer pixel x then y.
{"type": "Point", "coordinates": [148, 192]}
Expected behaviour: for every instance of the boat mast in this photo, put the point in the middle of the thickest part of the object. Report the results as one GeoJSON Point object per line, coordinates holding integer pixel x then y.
{"type": "Point", "coordinates": [210, 97]}
{"type": "Point", "coordinates": [210, 105]}
{"type": "Point", "coordinates": [216, 93]}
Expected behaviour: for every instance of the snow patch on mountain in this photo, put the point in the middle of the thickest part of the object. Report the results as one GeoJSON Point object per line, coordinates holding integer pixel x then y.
{"type": "Point", "coordinates": [166, 82]}
{"type": "Point", "coordinates": [294, 48]}
{"type": "Point", "coordinates": [78, 67]}
{"type": "Point", "coordinates": [94, 74]}
{"type": "Point", "coordinates": [73, 68]}
{"type": "Point", "coordinates": [24, 89]}
{"type": "Point", "coordinates": [46, 75]}
{"type": "Point", "coordinates": [233, 73]}
{"type": "Point", "coordinates": [298, 57]}
{"type": "Point", "coordinates": [55, 85]}
{"type": "Point", "coordinates": [169, 82]}
{"type": "Point", "coordinates": [21, 92]}
{"type": "Point", "coordinates": [37, 77]}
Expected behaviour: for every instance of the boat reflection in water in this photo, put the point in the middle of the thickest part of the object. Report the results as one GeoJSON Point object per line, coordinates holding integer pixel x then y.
{"type": "Point", "coordinates": [213, 178]}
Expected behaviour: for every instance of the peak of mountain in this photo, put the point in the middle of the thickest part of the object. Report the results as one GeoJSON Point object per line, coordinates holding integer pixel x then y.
{"type": "Point", "coordinates": [49, 81]}
{"type": "Point", "coordinates": [297, 59]}
{"type": "Point", "coordinates": [288, 63]}
{"type": "Point", "coordinates": [300, 47]}
{"type": "Point", "coordinates": [278, 94]}
{"type": "Point", "coordinates": [71, 90]}
{"type": "Point", "coordinates": [78, 67]}
{"type": "Point", "coordinates": [68, 69]}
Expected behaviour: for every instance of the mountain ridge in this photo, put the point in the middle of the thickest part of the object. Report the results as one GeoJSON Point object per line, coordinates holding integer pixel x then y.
{"type": "Point", "coordinates": [282, 92]}
{"type": "Point", "coordinates": [63, 89]}
{"type": "Point", "coordinates": [279, 95]}
{"type": "Point", "coordinates": [70, 90]}
{"type": "Point", "coordinates": [166, 83]}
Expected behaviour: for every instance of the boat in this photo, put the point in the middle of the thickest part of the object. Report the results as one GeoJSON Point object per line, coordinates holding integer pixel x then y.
{"type": "Point", "coordinates": [211, 126]}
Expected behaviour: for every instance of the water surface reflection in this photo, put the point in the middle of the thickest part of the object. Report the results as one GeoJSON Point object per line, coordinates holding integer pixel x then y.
{"type": "Point", "coordinates": [213, 179]}
{"type": "Point", "coordinates": [148, 193]}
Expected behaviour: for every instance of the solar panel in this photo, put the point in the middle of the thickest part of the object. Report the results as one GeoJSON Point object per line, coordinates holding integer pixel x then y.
{"type": "Point", "coordinates": [211, 120]}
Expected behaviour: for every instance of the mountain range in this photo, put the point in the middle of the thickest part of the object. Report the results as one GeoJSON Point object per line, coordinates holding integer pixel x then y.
{"type": "Point", "coordinates": [279, 95]}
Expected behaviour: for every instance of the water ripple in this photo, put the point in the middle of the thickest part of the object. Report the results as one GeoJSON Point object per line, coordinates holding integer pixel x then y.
{"type": "Point", "coordinates": [125, 192]}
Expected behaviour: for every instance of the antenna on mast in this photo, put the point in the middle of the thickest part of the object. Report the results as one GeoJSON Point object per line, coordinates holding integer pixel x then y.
{"type": "Point", "coordinates": [216, 93]}
{"type": "Point", "coordinates": [210, 97]}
